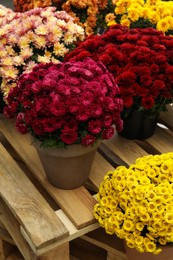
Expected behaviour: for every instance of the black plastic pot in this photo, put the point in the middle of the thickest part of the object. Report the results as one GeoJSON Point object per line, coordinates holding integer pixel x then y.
{"type": "Point", "coordinates": [138, 125]}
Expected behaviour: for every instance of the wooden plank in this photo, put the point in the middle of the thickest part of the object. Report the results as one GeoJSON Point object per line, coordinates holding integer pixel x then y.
{"type": "Point", "coordinates": [73, 232]}
{"type": "Point", "coordinates": [4, 235]}
{"type": "Point", "coordinates": [99, 169]}
{"type": "Point", "coordinates": [126, 149]}
{"type": "Point", "coordinates": [5, 249]}
{"type": "Point", "coordinates": [162, 140]}
{"type": "Point", "coordinates": [61, 253]}
{"type": "Point", "coordinates": [15, 255]}
{"type": "Point", "coordinates": [166, 117]}
{"type": "Point", "coordinates": [13, 228]}
{"type": "Point", "coordinates": [80, 199]}
{"type": "Point", "coordinates": [111, 256]}
{"type": "Point", "coordinates": [35, 215]}
{"type": "Point", "coordinates": [111, 244]}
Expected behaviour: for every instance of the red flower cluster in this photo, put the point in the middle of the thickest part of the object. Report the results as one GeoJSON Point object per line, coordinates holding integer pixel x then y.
{"type": "Point", "coordinates": [141, 61]}
{"type": "Point", "coordinates": [66, 103]}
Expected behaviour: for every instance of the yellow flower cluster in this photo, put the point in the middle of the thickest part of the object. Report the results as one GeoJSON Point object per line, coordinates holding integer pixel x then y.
{"type": "Point", "coordinates": [135, 203]}
{"type": "Point", "coordinates": [140, 13]}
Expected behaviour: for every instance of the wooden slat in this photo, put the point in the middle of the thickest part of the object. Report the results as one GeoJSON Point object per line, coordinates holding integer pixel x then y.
{"type": "Point", "coordinates": [126, 149]}
{"type": "Point", "coordinates": [167, 117]}
{"type": "Point", "coordinates": [162, 140]}
{"type": "Point", "coordinates": [99, 169]}
{"type": "Point", "coordinates": [80, 199]}
{"type": "Point", "coordinates": [73, 232]}
{"type": "Point", "coordinates": [15, 255]}
{"type": "Point", "coordinates": [60, 253]}
{"type": "Point", "coordinates": [5, 249]}
{"type": "Point", "coordinates": [111, 256]}
{"type": "Point", "coordinates": [112, 244]}
{"type": "Point", "coordinates": [4, 235]}
{"type": "Point", "coordinates": [28, 206]}
{"type": "Point", "coordinates": [13, 228]}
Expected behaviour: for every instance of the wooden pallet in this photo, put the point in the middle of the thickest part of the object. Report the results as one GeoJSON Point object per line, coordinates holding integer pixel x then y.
{"type": "Point", "coordinates": [42, 220]}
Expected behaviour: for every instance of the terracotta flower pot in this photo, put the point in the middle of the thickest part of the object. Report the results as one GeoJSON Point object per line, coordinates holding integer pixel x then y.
{"type": "Point", "coordinates": [165, 254]}
{"type": "Point", "coordinates": [67, 168]}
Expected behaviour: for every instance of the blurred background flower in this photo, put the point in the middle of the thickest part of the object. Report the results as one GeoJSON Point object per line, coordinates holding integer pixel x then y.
{"type": "Point", "coordinates": [90, 14]}
{"type": "Point", "coordinates": [143, 13]}
{"type": "Point", "coordinates": [39, 35]}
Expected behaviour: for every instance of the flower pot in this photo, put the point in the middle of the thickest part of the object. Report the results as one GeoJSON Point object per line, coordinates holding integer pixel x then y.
{"type": "Point", "coordinates": [165, 254]}
{"type": "Point", "coordinates": [138, 125]}
{"type": "Point", "coordinates": [2, 102]}
{"type": "Point", "coordinates": [67, 168]}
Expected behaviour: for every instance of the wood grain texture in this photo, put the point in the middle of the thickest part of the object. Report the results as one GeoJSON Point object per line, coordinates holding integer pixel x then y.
{"type": "Point", "coordinates": [4, 235]}
{"type": "Point", "coordinates": [126, 149]}
{"type": "Point", "coordinates": [13, 228]}
{"type": "Point", "coordinates": [5, 249]}
{"type": "Point", "coordinates": [99, 169]}
{"type": "Point", "coordinates": [111, 244]}
{"type": "Point", "coordinates": [162, 140]}
{"type": "Point", "coordinates": [111, 256]}
{"type": "Point", "coordinates": [60, 253]}
{"type": "Point", "coordinates": [166, 117]}
{"type": "Point", "coordinates": [15, 255]}
{"type": "Point", "coordinates": [28, 206]}
{"type": "Point", "coordinates": [80, 198]}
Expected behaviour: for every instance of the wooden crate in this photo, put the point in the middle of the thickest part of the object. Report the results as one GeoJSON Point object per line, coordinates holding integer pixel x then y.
{"type": "Point", "coordinates": [42, 220]}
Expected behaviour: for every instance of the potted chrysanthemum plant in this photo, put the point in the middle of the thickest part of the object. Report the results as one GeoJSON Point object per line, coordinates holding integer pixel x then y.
{"type": "Point", "coordinates": [67, 108]}
{"type": "Point", "coordinates": [39, 35]}
{"type": "Point", "coordinates": [141, 63]}
{"type": "Point", "coordinates": [142, 14]}
{"type": "Point", "coordinates": [135, 204]}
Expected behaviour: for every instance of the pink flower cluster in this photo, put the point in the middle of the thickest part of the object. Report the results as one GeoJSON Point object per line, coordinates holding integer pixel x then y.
{"type": "Point", "coordinates": [141, 61]}
{"type": "Point", "coordinates": [6, 15]}
{"type": "Point", "coordinates": [66, 103]}
{"type": "Point", "coordinates": [40, 35]}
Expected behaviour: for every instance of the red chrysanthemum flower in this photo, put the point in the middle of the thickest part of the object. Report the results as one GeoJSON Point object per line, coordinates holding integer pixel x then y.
{"type": "Point", "coordinates": [70, 125]}
{"type": "Point", "coordinates": [88, 140]}
{"type": "Point", "coordinates": [75, 104]}
{"type": "Point", "coordinates": [108, 133]}
{"type": "Point", "coordinates": [147, 102]}
{"type": "Point", "coordinates": [95, 126]}
{"type": "Point", "coordinates": [20, 124]}
{"type": "Point", "coordinates": [69, 137]}
{"type": "Point", "coordinates": [139, 59]}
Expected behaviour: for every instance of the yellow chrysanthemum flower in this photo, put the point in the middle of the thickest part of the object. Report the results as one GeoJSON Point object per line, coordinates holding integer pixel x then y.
{"type": "Point", "coordinates": [150, 246]}
{"type": "Point", "coordinates": [144, 217]}
{"type": "Point", "coordinates": [166, 167]}
{"type": "Point", "coordinates": [111, 23]}
{"type": "Point", "coordinates": [169, 217]}
{"type": "Point", "coordinates": [119, 10]}
{"type": "Point", "coordinates": [163, 25]}
{"type": "Point", "coordinates": [162, 241]}
{"type": "Point", "coordinates": [139, 226]}
{"type": "Point", "coordinates": [153, 17]}
{"type": "Point", "coordinates": [133, 14]}
{"type": "Point", "coordinates": [59, 49]}
{"type": "Point", "coordinates": [144, 205]}
{"type": "Point", "coordinates": [130, 244]}
{"type": "Point", "coordinates": [128, 225]}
